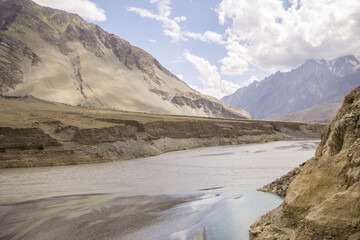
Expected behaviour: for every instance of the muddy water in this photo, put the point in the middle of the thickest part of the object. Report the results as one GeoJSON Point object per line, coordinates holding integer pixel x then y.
{"type": "Point", "coordinates": [222, 179]}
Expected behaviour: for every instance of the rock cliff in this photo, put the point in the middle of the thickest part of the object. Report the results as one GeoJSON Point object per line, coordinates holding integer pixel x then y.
{"type": "Point", "coordinates": [57, 56]}
{"type": "Point", "coordinates": [44, 134]}
{"type": "Point", "coordinates": [323, 200]}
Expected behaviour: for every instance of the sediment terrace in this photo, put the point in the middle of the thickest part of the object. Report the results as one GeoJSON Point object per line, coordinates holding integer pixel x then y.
{"type": "Point", "coordinates": [34, 134]}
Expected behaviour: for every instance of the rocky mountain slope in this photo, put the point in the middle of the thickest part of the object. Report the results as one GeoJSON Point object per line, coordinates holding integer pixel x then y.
{"type": "Point", "coordinates": [57, 56]}
{"type": "Point", "coordinates": [322, 112]}
{"type": "Point", "coordinates": [323, 199]}
{"type": "Point", "coordinates": [34, 133]}
{"type": "Point", "coordinates": [314, 82]}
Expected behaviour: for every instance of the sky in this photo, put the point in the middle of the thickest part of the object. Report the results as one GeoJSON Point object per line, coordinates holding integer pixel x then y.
{"type": "Point", "coordinates": [218, 46]}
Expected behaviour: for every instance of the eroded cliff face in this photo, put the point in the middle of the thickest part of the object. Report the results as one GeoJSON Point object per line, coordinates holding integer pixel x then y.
{"type": "Point", "coordinates": [38, 134]}
{"type": "Point", "coordinates": [323, 201]}
{"type": "Point", "coordinates": [57, 56]}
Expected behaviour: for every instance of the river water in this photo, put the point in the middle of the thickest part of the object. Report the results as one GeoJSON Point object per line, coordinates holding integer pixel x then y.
{"type": "Point", "coordinates": [223, 179]}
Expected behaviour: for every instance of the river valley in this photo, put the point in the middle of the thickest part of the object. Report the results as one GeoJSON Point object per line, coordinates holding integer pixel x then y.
{"type": "Point", "coordinates": [204, 193]}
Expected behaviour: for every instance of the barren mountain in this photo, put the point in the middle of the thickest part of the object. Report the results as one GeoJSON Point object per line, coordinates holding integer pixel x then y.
{"type": "Point", "coordinates": [314, 82]}
{"type": "Point", "coordinates": [322, 112]}
{"type": "Point", "coordinates": [56, 56]}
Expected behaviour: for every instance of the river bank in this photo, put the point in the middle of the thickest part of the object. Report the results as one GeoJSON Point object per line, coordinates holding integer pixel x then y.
{"type": "Point", "coordinates": [178, 195]}
{"type": "Point", "coordinates": [35, 134]}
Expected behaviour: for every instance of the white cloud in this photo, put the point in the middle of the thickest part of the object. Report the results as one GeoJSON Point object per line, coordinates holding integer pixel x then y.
{"type": "Point", "coordinates": [235, 62]}
{"type": "Point", "coordinates": [264, 34]}
{"type": "Point", "coordinates": [180, 19]}
{"type": "Point", "coordinates": [171, 27]}
{"type": "Point", "coordinates": [152, 40]}
{"type": "Point", "coordinates": [210, 78]}
{"type": "Point", "coordinates": [207, 36]}
{"type": "Point", "coordinates": [179, 76]}
{"type": "Point", "coordinates": [249, 81]}
{"type": "Point", "coordinates": [178, 59]}
{"type": "Point", "coordinates": [83, 8]}
{"type": "Point", "coordinates": [209, 75]}
{"type": "Point", "coordinates": [163, 7]}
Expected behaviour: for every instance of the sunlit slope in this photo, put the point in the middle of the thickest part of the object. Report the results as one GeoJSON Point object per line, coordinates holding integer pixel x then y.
{"type": "Point", "coordinates": [57, 56]}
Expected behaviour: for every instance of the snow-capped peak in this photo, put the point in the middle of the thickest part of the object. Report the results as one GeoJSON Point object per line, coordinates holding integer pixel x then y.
{"type": "Point", "coordinates": [342, 66]}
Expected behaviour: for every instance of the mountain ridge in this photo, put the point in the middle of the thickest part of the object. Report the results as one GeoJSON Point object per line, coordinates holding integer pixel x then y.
{"type": "Point", "coordinates": [57, 56]}
{"type": "Point", "coordinates": [314, 82]}
{"type": "Point", "coordinates": [322, 112]}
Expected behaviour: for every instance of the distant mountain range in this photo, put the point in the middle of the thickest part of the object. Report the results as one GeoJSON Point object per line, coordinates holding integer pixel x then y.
{"type": "Point", "coordinates": [56, 56]}
{"type": "Point", "coordinates": [322, 112]}
{"type": "Point", "coordinates": [315, 82]}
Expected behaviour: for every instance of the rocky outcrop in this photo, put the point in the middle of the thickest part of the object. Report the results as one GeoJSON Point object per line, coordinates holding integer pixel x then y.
{"type": "Point", "coordinates": [322, 202]}
{"type": "Point", "coordinates": [196, 101]}
{"type": "Point", "coordinates": [57, 56]}
{"type": "Point", "coordinates": [297, 130]}
{"type": "Point", "coordinates": [35, 138]}
{"type": "Point", "coordinates": [10, 69]}
{"type": "Point", "coordinates": [280, 185]}
{"type": "Point", "coordinates": [37, 134]}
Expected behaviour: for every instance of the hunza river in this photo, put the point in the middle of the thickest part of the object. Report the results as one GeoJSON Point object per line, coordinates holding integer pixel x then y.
{"type": "Point", "coordinates": [205, 193]}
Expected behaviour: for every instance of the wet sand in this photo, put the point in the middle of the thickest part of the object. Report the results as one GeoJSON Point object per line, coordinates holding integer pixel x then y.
{"type": "Point", "coordinates": [100, 216]}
